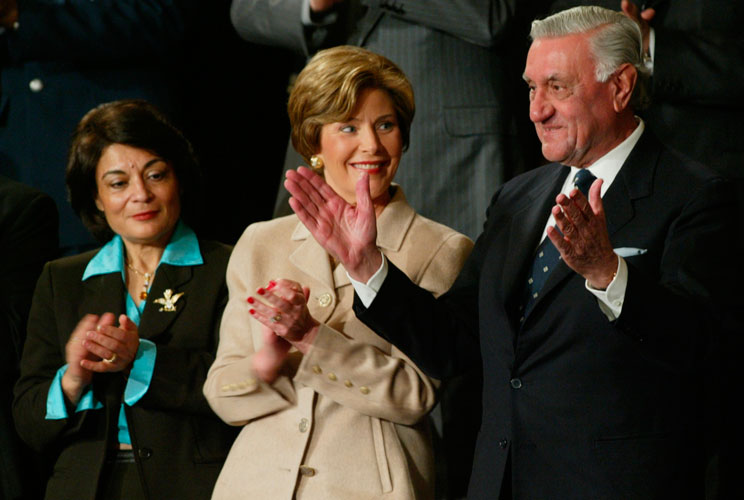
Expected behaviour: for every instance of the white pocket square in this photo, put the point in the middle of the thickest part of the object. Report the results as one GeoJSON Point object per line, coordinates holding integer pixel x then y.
{"type": "Point", "coordinates": [630, 251]}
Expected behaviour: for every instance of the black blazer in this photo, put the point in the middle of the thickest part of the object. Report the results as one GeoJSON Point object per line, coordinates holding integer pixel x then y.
{"type": "Point", "coordinates": [585, 407]}
{"type": "Point", "coordinates": [179, 443]}
{"type": "Point", "coordinates": [28, 238]}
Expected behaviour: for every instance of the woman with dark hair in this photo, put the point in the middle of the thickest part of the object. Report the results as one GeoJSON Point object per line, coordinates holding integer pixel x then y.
{"type": "Point", "coordinates": [120, 339]}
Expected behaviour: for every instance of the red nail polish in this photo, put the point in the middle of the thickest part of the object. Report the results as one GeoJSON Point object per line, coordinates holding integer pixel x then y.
{"type": "Point", "coordinates": [251, 300]}
{"type": "Point", "coordinates": [252, 311]}
{"type": "Point", "coordinates": [260, 291]}
{"type": "Point", "coordinates": [272, 284]}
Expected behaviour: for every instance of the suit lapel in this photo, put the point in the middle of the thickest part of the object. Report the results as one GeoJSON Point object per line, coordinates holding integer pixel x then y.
{"type": "Point", "coordinates": [634, 181]}
{"type": "Point", "coordinates": [103, 293]}
{"type": "Point", "coordinates": [174, 278]}
{"type": "Point", "coordinates": [312, 260]}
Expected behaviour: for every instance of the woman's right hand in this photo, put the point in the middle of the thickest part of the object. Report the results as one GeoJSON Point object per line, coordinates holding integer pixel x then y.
{"type": "Point", "coordinates": [76, 378]}
{"type": "Point", "coordinates": [347, 232]}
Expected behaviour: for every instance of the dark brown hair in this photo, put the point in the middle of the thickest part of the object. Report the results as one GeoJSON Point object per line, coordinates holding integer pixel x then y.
{"type": "Point", "coordinates": [134, 123]}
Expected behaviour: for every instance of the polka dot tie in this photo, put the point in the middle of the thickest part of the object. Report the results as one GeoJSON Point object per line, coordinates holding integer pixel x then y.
{"type": "Point", "coordinates": [547, 256]}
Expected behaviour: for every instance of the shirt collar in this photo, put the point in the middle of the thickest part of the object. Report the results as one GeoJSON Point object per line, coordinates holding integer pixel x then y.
{"type": "Point", "coordinates": [182, 250]}
{"type": "Point", "coordinates": [608, 166]}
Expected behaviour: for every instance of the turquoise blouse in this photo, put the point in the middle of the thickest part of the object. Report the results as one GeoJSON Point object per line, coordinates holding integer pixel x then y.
{"type": "Point", "coordinates": [182, 250]}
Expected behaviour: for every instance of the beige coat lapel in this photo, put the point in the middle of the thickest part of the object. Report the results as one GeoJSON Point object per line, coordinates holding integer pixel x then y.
{"type": "Point", "coordinates": [312, 260]}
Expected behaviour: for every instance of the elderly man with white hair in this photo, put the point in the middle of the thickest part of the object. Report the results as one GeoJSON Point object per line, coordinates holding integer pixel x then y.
{"type": "Point", "coordinates": [590, 313]}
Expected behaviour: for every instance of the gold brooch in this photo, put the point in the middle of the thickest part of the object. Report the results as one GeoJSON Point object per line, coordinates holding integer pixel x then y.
{"type": "Point", "coordinates": [168, 301]}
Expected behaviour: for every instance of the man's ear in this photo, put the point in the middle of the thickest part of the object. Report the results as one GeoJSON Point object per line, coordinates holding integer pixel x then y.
{"type": "Point", "coordinates": [623, 81]}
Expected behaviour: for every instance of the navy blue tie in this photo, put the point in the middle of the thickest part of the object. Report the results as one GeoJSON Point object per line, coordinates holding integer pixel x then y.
{"type": "Point", "coordinates": [547, 256]}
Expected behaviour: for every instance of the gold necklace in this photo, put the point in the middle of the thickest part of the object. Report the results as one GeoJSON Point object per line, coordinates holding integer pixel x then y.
{"type": "Point", "coordinates": [147, 277]}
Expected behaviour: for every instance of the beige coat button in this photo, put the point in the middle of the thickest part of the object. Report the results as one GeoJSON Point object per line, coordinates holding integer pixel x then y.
{"type": "Point", "coordinates": [36, 85]}
{"type": "Point", "coordinates": [307, 471]}
{"type": "Point", "coordinates": [325, 300]}
{"type": "Point", "coordinates": [304, 424]}
{"type": "Point", "coordinates": [317, 369]}
{"type": "Point", "coordinates": [332, 377]}
{"type": "Point", "coordinates": [348, 383]}
{"type": "Point", "coordinates": [364, 389]}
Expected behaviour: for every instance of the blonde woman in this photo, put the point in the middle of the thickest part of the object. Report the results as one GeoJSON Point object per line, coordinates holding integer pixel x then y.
{"type": "Point", "coordinates": [329, 409]}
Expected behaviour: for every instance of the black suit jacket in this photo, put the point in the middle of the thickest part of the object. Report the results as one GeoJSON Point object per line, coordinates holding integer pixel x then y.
{"type": "Point", "coordinates": [28, 238]}
{"type": "Point", "coordinates": [179, 443]}
{"type": "Point", "coordinates": [585, 407]}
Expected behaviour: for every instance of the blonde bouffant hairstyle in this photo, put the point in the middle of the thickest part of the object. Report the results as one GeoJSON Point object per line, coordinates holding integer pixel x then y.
{"type": "Point", "coordinates": [328, 88]}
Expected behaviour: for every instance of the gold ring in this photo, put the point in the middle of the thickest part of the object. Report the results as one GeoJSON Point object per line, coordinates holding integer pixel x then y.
{"type": "Point", "coordinates": [112, 359]}
{"type": "Point", "coordinates": [277, 318]}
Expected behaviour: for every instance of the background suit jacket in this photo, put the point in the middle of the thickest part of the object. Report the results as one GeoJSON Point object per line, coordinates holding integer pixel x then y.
{"type": "Point", "coordinates": [586, 408]}
{"type": "Point", "coordinates": [464, 60]}
{"type": "Point", "coordinates": [28, 238]}
{"type": "Point", "coordinates": [346, 419]}
{"type": "Point", "coordinates": [174, 433]}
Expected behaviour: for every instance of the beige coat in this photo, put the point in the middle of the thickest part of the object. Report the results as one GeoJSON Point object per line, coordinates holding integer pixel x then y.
{"type": "Point", "coordinates": [346, 420]}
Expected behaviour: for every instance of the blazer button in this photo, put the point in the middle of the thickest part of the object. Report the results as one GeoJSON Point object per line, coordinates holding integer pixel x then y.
{"type": "Point", "coordinates": [325, 300]}
{"type": "Point", "coordinates": [332, 377]}
{"type": "Point", "coordinates": [304, 424]}
{"type": "Point", "coordinates": [317, 369]}
{"type": "Point", "coordinates": [503, 443]}
{"type": "Point", "coordinates": [36, 85]}
{"type": "Point", "coordinates": [364, 390]}
{"type": "Point", "coordinates": [144, 453]}
{"type": "Point", "coordinates": [307, 471]}
{"type": "Point", "coordinates": [516, 383]}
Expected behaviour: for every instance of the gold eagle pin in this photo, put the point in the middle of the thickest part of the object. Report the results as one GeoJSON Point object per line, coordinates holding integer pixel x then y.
{"type": "Point", "coordinates": [168, 301]}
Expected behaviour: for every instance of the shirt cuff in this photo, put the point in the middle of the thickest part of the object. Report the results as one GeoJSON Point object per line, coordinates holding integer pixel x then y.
{"type": "Point", "coordinates": [368, 291]}
{"type": "Point", "coordinates": [141, 373]}
{"type": "Point", "coordinates": [56, 407]}
{"type": "Point", "coordinates": [611, 300]}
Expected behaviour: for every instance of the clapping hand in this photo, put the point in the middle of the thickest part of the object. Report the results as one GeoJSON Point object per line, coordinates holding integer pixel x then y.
{"type": "Point", "coordinates": [281, 307]}
{"type": "Point", "coordinates": [97, 346]}
{"type": "Point", "coordinates": [584, 244]}
{"type": "Point", "coordinates": [347, 232]}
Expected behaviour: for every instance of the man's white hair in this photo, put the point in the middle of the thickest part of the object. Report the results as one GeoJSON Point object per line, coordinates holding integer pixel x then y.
{"type": "Point", "coordinates": [616, 40]}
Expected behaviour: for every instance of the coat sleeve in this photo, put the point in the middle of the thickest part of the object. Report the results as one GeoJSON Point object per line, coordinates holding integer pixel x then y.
{"type": "Point", "coordinates": [386, 385]}
{"type": "Point", "coordinates": [100, 30]}
{"type": "Point", "coordinates": [277, 23]}
{"type": "Point", "coordinates": [440, 334]}
{"type": "Point", "coordinates": [481, 22]}
{"type": "Point", "coordinates": [232, 389]}
{"type": "Point", "coordinates": [43, 355]}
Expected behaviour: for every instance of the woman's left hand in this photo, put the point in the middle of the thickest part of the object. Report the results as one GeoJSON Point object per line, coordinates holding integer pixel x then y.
{"type": "Point", "coordinates": [116, 346]}
{"type": "Point", "coordinates": [282, 307]}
